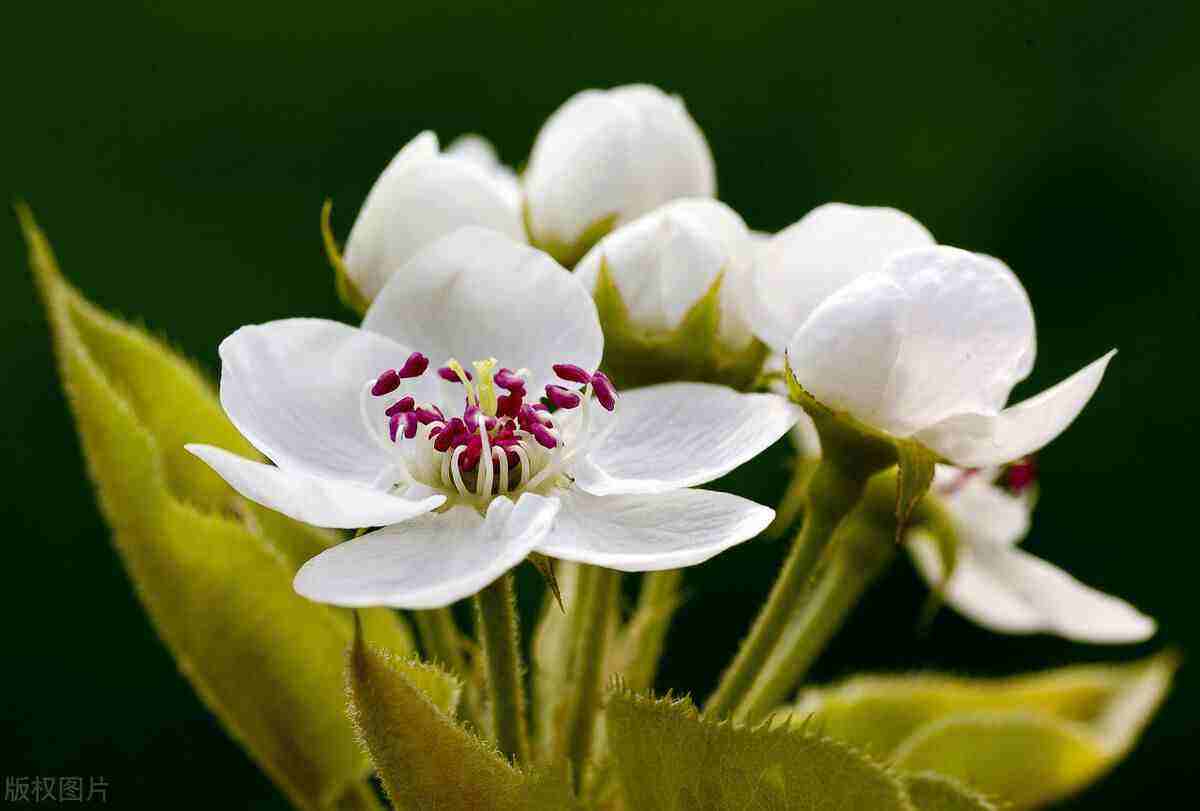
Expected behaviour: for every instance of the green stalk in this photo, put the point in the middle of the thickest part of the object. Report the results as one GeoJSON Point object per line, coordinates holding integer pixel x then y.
{"type": "Point", "coordinates": [500, 642]}
{"type": "Point", "coordinates": [861, 553]}
{"type": "Point", "coordinates": [834, 491]}
{"type": "Point", "coordinates": [595, 595]}
{"type": "Point", "coordinates": [640, 645]}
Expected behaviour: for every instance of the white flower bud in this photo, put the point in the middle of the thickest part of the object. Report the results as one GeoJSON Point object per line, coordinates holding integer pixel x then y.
{"type": "Point", "coordinates": [423, 195]}
{"type": "Point", "coordinates": [606, 157]}
{"type": "Point", "coordinates": [666, 261]}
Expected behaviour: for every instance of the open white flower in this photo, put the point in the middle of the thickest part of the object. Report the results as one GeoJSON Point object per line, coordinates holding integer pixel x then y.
{"type": "Point", "coordinates": [664, 262]}
{"type": "Point", "coordinates": [608, 156]}
{"type": "Point", "coordinates": [424, 194]}
{"type": "Point", "coordinates": [1002, 587]}
{"type": "Point", "coordinates": [463, 468]}
{"type": "Point", "coordinates": [921, 343]}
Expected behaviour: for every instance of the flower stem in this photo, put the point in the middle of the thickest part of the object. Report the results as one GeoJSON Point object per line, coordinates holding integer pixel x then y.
{"type": "Point", "coordinates": [500, 641]}
{"type": "Point", "coordinates": [861, 553]}
{"type": "Point", "coordinates": [834, 490]}
{"type": "Point", "coordinates": [595, 598]}
{"type": "Point", "coordinates": [640, 645]}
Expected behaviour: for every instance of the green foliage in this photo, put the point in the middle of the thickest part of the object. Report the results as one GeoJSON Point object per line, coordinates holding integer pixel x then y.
{"type": "Point", "coordinates": [670, 759]}
{"type": "Point", "coordinates": [347, 290]}
{"type": "Point", "coordinates": [934, 792]}
{"type": "Point", "coordinates": [401, 709]}
{"type": "Point", "coordinates": [213, 572]}
{"type": "Point", "coordinates": [1079, 720]}
{"type": "Point", "coordinates": [634, 356]}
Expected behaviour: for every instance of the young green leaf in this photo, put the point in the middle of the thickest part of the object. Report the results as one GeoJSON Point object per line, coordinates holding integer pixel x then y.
{"type": "Point", "coordinates": [1081, 720]}
{"type": "Point", "coordinates": [213, 573]}
{"type": "Point", "coordinates": [347, 290]}
{"type": "Point", "coordinates": [933, 792]}
{"type": "Point", "coordinates": [668, 758]}
{"type": "Point", "coordinates": [425, 759]}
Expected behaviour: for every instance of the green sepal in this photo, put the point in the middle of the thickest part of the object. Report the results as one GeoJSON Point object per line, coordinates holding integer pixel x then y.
{"type": "Point", "coordinates": [212, 571]}
{"type": "Point", "coordinates": [545, 567]}
{"type": "Point", "coordinates": [347, 291]}
{"type": "Point", "coordinates": [929, 791]}
{"type": "Point", "coordinates": [426, 759]}
{"type": "Point", "coordinates": [916, 464]}
{"type": "Point", "coordinates": [1080, 720]}
{"type": "Point", "coordinates": [857, 446]}
{"type": "Point", "coordinates": [693, 350]}
{"type": "Point", "coordinates": [668, 758]}
{"type": "Point", "coordinates": [565, 253]}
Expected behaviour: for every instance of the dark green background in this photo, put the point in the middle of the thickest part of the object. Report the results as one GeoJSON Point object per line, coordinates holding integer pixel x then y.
{"type": "Point", "coordinates": [178, 159]}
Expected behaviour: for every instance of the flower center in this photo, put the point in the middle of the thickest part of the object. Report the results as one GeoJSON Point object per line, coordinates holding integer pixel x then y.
{"type": "Point", "coordinates": [502, 443]}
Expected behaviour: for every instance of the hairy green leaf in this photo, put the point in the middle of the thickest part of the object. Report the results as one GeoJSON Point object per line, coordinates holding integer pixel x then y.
{"type": "Point", "coordinates": [425, 758]}
{"type": "Point", "coordinates": [213, 572]}
{"type": "Point", "coordinates": [668, 758]}
{"type": "Point", "coordinates": [935, 792]}
{"type": "Point", "coordinates": [1081, 720]}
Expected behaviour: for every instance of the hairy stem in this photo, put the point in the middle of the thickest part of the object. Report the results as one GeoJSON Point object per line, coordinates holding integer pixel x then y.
{"type": "Point", "coordinates": [595, 597]}
{"type": "Point", "coordinates": [640, 646]}
{"type": "Point", "coordinates": [834, 491]}
{"type": "Point", "coordinates": [500, 642]}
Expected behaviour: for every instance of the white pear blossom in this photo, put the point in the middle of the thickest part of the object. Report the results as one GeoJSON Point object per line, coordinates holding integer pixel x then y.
{"type": "Point", "coordinates": [424, 194]}
{"type": "Point", "coordinates": [664, 262]}
{"type": "Point", "coordinates": [612, 155]}
{"type": "Point", "coordinates": [1002, 587]}
{"type": "Point", "coordinates": [463, 468]}
{"type": "Point", "coordinates": [916, 340]}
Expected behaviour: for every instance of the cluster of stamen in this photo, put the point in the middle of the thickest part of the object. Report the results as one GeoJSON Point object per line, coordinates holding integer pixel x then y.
{"type": "Point", "coordinates": [501, 443]}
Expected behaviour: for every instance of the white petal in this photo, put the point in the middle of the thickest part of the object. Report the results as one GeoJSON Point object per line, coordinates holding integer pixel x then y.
{"type": "Point", "coordinates": [811, 259]}
{"type": "Point", "coordinates": [477, 294]}
{"type": "Point", "coordinates": [619, 152]}
{"type": "Point", "coordinates": [1011, 591]}
{"type": "Point", "coordinates": [977, 440]}
{"type": "Point", "coordinates": [419, 197]}
{"type": "Point", "coordinates": [292, 388]}
{"type": "Point", "coordinates": [969, 332]}
{"type": "Point", "coordinates": [844, 353]}
{"type": "Point", "coordinates": [939, 332]}
{"type": "Point", "coordinates": [430, 561]}
{"type": "Point", "coordinates": [477, 150]}
{"type": "Point", "coordinates": [984, 513]}
{"type": "Point", "coordinates": [642, 533]}
{"type": "Point", "coordinates": [676, 435]}
{"type": "Point", "coordinates": [664, 262]}
{"type": "Point", "coordinates": [312, 499]}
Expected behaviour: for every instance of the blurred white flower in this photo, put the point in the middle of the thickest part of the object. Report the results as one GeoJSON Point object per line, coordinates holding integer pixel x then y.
{"type": "Point", "coordinates": [463, 468]}
{"type": "Point", "coordinates": [424, 194]}
{"type": "Point", "coordinates": [1003, 588]}
{"type": "Point", "coordinates": [666, 261]}
{"type": "Point", "coordinates": [606, 157]}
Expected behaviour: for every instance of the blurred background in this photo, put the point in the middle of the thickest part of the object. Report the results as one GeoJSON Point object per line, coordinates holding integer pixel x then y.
{"type": "Point", "coordinates": [178, 154]}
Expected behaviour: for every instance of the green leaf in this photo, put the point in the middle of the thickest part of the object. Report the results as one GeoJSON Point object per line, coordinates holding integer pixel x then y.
{"type": "Point", "coordinates": [670, 759]}
{"type": "Point", "coordinates": [213, 572]}
{"type": "Point", "coordinates": [347, 290]}
{"type": "Point", "coordinates": [934, 792]}
{"type": "Point", "coordinates": [425, 759]}
{"type": "Point", "coordinates": [1080, 720]}
{"type": "Point", "coordinates": [634, 356]}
